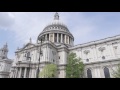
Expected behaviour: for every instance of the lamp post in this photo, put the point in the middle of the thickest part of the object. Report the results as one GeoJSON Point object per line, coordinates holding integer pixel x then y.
{"type": "Point", "coordinates": [38, 70]}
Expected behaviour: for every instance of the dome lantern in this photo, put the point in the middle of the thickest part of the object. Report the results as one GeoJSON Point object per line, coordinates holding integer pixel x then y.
{"type": "Point", "coordinates": [56, 16]}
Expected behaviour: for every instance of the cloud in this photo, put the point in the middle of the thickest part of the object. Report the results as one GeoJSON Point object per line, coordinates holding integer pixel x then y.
{"type": "Point", "coordinates": [29, 24]}
{"type": "Point", "coordinates": [6, 20]}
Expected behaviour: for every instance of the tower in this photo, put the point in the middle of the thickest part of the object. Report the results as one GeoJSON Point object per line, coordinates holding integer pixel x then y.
{"type": "Point", "coordinates": [4, 52]}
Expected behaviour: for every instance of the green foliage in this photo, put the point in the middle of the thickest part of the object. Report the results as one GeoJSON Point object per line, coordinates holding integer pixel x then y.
{"type": "Point", "coordinates": [49, 71]}
{"type": "Point", "coordinates": [75, 67]}
{"type": "Point", "coordinates": [116, 73]}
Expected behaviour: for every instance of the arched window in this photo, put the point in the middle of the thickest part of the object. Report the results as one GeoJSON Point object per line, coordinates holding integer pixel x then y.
{"type": "Point", "coordinates": [106, 72]}
{"type": "Point", "coordinates": [28, 55]}
{"type": "Point", "coordinates": [89, 73]}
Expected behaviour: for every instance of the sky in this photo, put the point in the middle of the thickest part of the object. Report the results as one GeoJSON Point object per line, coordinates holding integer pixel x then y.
{"type": "Point", "coordinates": [16, 28]}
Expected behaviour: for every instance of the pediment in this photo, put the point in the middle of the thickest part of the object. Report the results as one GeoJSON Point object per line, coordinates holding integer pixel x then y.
{"type": "Point", "coordinates": [29, 45]}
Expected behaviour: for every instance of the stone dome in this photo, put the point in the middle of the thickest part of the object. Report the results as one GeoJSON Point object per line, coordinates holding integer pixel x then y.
{"type": "Point", "coordinates": [56, 24]}
{"type": "Point", "coordinates": [56, 30]}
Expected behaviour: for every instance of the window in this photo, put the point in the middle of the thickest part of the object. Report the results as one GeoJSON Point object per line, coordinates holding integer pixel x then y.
{"type": "Point", "coordinates": [28, 55]}
{"type": "Point", "coordinates": [103, 57]}
{"type": "Point", "coordinates": [53, 60]}
{"type": "Point", "coordinates": [106, 72]}
{"type": "Point", "coordinates": [87, 60]}
{"type": "Point", "coordinates": [89, 74]}
{"type": "Point", "coordinates": [59, 57]}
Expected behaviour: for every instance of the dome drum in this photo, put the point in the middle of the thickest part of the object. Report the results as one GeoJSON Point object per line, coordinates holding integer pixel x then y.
{"type": "Point", "coordinates": [57, 38]}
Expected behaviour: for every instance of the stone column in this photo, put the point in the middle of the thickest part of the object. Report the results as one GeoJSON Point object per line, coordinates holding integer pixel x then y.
{"type": "Point", "coordinates": [61, 38]}
{"type": "Point", "coordinates": [53, 37]}
{"type": "Point", "coordinates": [30, 73]}
{"type": "Point", "coordinates": [72, 41]}
{"type": "Point", "coordinates": [65, 38]}
{"type": "Point", "coordinates": [68, 40]}
{"type": "Point", "coordinates": [16, 73]}
{"type": "Point", "coordinates": [25, 72]}
{"type": "Point", "coordinates": [49, 37]}
{"type": "Point", "coordinates": [20, 73]}
{"type": "Point", "coordinates": [46, 37]}
{"type": "Point", "coordinates": [57, 37]}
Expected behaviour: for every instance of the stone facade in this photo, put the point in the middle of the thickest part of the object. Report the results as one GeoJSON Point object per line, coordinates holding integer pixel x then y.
{"type": "Point", "coordinates": [100, 57]}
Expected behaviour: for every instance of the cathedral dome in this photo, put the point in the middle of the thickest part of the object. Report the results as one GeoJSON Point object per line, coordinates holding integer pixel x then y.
{"type": "Point", "coordinates": [57, 32]}
{"type": "Point", "coordinates": [56, 24]}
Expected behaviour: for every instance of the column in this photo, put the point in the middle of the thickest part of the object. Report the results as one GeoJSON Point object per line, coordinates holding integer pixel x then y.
{"type": "Point", "coordinates": [25, 72]}
{"type": "Point", "coordinates": [57, 37]}
{"type": "Point", "coordinates": [49, 37]}
{"type": "Point", "coordinates": [53, 37]}
{"type": "Point", "coordinates": [72, 41]}
{"type": "Point", "coordinates": [20, 73]}
{"type": "Point", "coordinates": [68, 40]}
{"type": "Point", "coordinates": [16, 71]}
{"type": "Point", "coordinates": [30, 72]}
{"type": "Point", "coordinates": [46, 37]}
{"type": "Point", "coordinates": [61, 38]}
{"type": "Point", "coordinates": [65, 38]}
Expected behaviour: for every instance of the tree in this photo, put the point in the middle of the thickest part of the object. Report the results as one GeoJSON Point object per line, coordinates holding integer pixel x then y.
{"type": "Point", "coordinates": [49, 71]}
{"type": "Point", "coordinates": [116, 74]}
{"type": "Point", "coordinates": [75, 67]}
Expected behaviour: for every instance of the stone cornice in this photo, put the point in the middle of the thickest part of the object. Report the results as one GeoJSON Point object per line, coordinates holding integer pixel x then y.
{"type": "Point", "coordinates": [106, 40]}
